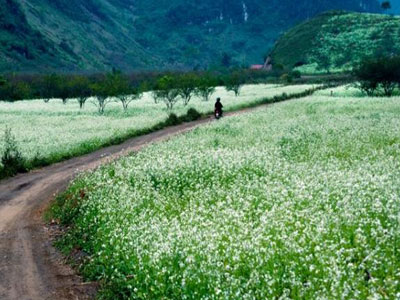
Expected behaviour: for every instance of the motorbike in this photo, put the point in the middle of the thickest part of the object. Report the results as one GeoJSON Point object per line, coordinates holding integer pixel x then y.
{"type": "Point", "coordinates": [218, 114]}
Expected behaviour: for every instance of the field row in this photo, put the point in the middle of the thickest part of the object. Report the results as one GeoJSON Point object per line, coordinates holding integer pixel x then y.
{"type": "Point", "coordinates": [296, 201]}
{"type": "Point", "coordinates": [52, 131]}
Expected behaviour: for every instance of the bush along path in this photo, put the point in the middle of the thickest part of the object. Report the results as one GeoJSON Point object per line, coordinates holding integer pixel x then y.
{"type": "Point", "coordinates": [30, 268]}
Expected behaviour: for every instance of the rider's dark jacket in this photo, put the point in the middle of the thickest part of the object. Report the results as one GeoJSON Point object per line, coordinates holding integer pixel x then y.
{"type": "Point", "coordinates": [218, 106]}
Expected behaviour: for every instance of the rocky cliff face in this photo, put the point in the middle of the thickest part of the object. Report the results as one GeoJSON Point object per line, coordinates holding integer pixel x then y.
{"type": "Point", "coordinates": [95, 35]}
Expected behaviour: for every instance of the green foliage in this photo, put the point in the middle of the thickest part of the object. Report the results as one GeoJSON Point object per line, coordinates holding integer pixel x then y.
{"type": "Point", "coordinates": [122, 89]}
{"type": "Point", "coordinates": [80, 89]}
{"type": "Point", "coordinates": [146, 34]}
{"type": "Point", "coordinates": [335, 41]}
{"type": "Point", "coordinates": [103, 90]}
{"type": "Point", "coordinates": [206, 86]}
{"type": "Point", "coordinates": [172, 120]}
{"type": "Point", "coordinates": [51, 132]}
{"type": "Point", "coordinates": [192, 115]}
{"type": "Point", "coordinates": [234, 83]}
{"type": "Point", "coordinates": [14, 90]}
{"type": "Point", "coordinates": [379, 73]}
{"type": "Point", "coordinates": [298, 201]}
{"type": "Point", "coordinates": [295, 74]}
{"type": "Point", "coordinates": [48, 86]}
{"type": "Point", "coordinates": [12, 161]}
{"type": "Point", "coordinates": [187, 84]}
{"type": "Point", "coordinates": [386, 5]}
{"type": "Point", "coordinates": [286, 78]}
{"type": "Point", "coordinates": [167, 91]}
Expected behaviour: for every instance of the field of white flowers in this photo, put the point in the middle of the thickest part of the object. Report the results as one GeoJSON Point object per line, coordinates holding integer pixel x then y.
{"type": "Point", "coordinates": [52, 131]}
{"type": "Point", "coordinates": [299, 200]}
{"type": "Point", "coordinates": [349, 90]}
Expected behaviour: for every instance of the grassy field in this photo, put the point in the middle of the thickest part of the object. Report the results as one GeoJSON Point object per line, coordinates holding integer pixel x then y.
{"type": "Point", "coordinates": [52, 131]}
{"type": "Point", "coordinates": [295, 201]}
{"type": "Point", "coordinates": [349, 91]}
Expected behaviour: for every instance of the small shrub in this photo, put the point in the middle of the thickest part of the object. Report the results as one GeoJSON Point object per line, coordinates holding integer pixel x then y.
{"type": "Point", "coordinates": [11, 159]}
{"type": "Point", "coordinates": [172, 120]}
{"type": "Point", "coordinates": [192, 115]}
{"type": "Point", "coordinates": [286, 78]}
{"type": "Point", "coordinates": [295, 74]}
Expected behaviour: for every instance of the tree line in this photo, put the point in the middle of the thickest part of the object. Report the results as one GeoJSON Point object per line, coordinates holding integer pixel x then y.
{"type": "Point", "coordinates": [168, 88]}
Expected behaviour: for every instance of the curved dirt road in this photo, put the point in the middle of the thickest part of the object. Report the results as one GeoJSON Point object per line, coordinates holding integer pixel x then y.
{"type": "Point", "coordinates": [30, 268]}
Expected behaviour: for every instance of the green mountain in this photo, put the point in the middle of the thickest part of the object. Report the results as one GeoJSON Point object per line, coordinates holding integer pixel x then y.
{"type": "Point", "coordinates": [96, 35]}
{"type": "Point", "coordinates": [336, 40]}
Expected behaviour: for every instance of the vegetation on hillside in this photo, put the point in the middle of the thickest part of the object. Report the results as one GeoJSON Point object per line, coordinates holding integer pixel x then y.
{"type": "Point", "coordinates": [83, 35]}
{"type": "Point", "coordinates": [21, 44]}
{"type": "Point", "coordinates": [335, 41]}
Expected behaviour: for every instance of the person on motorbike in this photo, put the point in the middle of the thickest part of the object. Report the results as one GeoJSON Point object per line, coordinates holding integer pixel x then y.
{"type": "Point", "coordinates": [218, 108]}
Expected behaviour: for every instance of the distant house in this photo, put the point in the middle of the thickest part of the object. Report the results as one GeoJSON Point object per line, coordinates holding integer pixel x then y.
{"type": "Point", "coordinates": [257, 67]}
{"type": "Point", "coordinates": [267, 66]}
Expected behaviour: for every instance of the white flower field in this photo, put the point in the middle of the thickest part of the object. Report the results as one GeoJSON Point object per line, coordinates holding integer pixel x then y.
{"type": "Point", "coordinates": [299, 200]}
{"type": "Point", "coordinates": [53, 131]}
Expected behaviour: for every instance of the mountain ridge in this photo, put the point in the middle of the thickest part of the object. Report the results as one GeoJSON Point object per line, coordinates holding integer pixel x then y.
{"type": "Point", "coordinates": [90, 36]}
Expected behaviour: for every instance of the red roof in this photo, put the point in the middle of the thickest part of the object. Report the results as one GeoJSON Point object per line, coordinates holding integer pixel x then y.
{"type": "Point", "coordinates": [257, 67]}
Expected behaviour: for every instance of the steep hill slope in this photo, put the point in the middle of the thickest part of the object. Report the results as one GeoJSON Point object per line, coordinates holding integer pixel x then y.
{"type": "Point", "coordinates": [22, 45]}
{"type": "Point", "coordinates": [92, 35]}
{"type": "Point", "coordinates": [337, 40]}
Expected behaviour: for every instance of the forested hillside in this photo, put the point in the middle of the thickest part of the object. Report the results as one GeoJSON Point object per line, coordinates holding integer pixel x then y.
{"type": "Point", "coordinates": [96, 35]}
{"type": "Point", "coordinates": [337, 40]}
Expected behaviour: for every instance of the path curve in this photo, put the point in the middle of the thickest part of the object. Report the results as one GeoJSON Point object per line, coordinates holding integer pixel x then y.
{"type": "Point", "coordinates": [30, 267]}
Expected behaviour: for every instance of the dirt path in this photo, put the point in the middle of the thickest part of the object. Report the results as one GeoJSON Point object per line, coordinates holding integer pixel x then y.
{"type": "Point", "coordinates": [30, 268]}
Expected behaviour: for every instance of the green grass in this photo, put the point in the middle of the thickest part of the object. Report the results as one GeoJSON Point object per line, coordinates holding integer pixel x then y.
{"type": "Point", "coordinates": [338, 39]}
{"type": "Point", "coordinates": [350, 91]}
{"type": "Point", "coordinates": [51, 132]}
{"type": "Point", "coordinates": [294, 201]}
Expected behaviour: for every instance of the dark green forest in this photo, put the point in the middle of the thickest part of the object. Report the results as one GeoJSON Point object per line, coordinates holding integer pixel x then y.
{"type": "Point", "coordinates": [88, 35]}
{"type": "Point", "coordinates": [335, 41]}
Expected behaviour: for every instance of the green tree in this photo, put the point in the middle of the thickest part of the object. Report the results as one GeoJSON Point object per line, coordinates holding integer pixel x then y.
{"type": "Point", "coordinates": [15, 90]}
{"type": "Point", "coordinates": [386, 5]}
{"type": "Point", "coordinates": [123, 90]}
{"type": "Point", "coordinates": [48, 87]}
{"type": "Point", "coordinates": [80, 89]}
{"type": "Point", "coordinates": [388, 75]}
{"type": "Point", "coordinates": [186, 87]}
{"type": "Point", "coordinates": [206, 86]}
{"type": "Point", "coordinates": [382, 72]}
{"type": "Point", "coordinates": [167, 91]}
{"type": "Point", "coordinates": [234, 83]}
{"type": "Point", "coordinates": [11, 158]}
{"type": "Point", "coordinates": [367, 75]}
{"type": "Point", "coordinates": [103, 91]}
